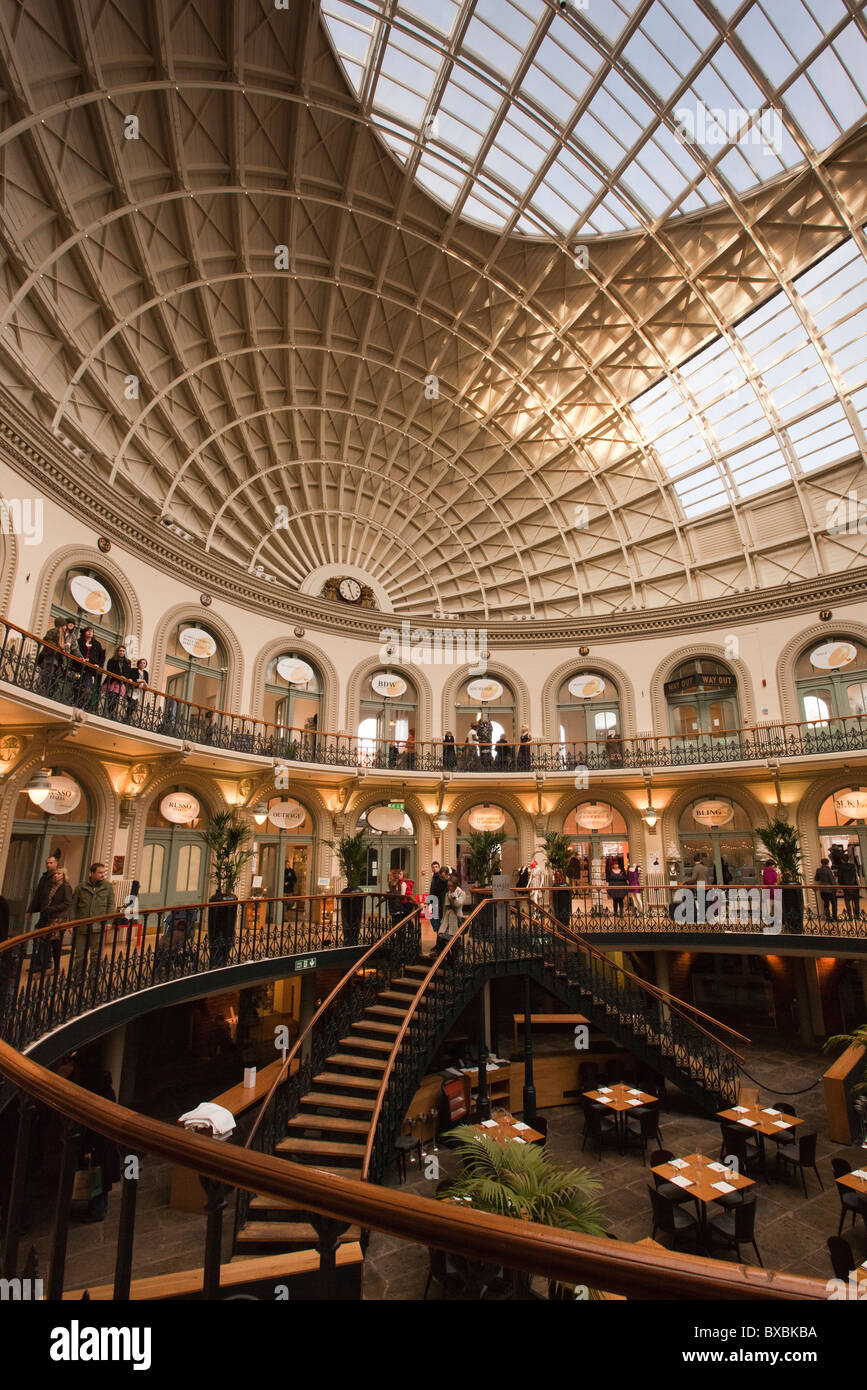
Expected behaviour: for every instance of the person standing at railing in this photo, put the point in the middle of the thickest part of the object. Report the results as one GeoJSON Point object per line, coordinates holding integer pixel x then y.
{"type": "Point", "coordinates": [140, 677]}
{"type": "Point", "coordinates": [485, 736]}
{"type": "Point", "coordinates": [91, 650]}
{"type": "Point", "coordinates": [524, 749]}
{"type": "Point", "coordinates": [94, 897]}
{"type": "Point", "coordinates": [51, 901]}
{"type": "Point", "coordinates": [847, 877]}
{"type": "Point", "coordinates": [618, 886]}
{"type": "Point", "coordinates": [825, 875]}
{"type": "Point", "coordinates": [449, 754]}
{"type": "Point", "coordinates": [52, 664]}
{"type": "Point", "coordinates": [114, 684]}
{"type": "Point", "coordinates": [454, 903]}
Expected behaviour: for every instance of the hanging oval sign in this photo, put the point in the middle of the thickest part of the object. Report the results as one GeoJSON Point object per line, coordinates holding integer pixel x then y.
{"type": "Point", "coordinates": [89, 594]}
{"type": "Point", "coordinates": [586, 686]}
{"type": "Point", "coordinates": [487, 818]}
{"type": "Point", "coordinates": [179, 807]}
{"type": "Point", "coordinates": [594, 815]}
{"type": "Point", "coordinates": [388, 684]}
{"type": "Point", "coordinates": [851, 804]}
{"type": "Point", "coordinates": [484, 690]}
{"type": "Point", "coordinates": [294, 671]}
{"type": "Point", "coordinates": [832, 655]}
{"type": "Point", "coordinates": [63, 797]}
{"type": "Point", "coordinates": [386, 819]}
{"type": "Point", "coordinates": [286, 815]}
{"type": "Point", "coordinates": [197, 642]}
{"type": "Point", "coordinates": [713, 812]}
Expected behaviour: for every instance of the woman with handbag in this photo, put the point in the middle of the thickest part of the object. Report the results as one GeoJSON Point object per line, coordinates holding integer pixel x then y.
{"type": "Point", "coordinates": [51, 900]}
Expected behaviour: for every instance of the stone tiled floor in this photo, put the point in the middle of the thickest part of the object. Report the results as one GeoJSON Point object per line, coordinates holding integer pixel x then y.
{"type": "Point", "coordinates": [791, 1230]}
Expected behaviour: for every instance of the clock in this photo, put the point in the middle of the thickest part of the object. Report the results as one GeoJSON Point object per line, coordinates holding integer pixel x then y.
{"type": "Point", "coordinates": [349, 590]}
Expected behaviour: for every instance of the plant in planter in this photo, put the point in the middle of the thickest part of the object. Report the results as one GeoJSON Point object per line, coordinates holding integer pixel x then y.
{"type": "Point", "coordinates": [780, 839]}
{"type": "Point", "coordinates": [558, 852]}
{"type": "Point", "coordinates": [520, 1180]}
{"type": "Point", "coordinates": [351, 851]}
{"type": "Point", "coordinates": [484, 847]}
{"type": "Point", "coordinates": [226, 837]}
{"type": "Point", "coordinates": [858, 1038]}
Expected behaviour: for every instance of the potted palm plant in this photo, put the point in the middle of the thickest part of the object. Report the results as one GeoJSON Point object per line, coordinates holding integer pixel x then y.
{"type": "Point", "coordinates": [226, 837]}
{"type": "Point", "coordinates": [520, 1180]}
{"type": "Point", "coordinates": [858, 1038]}
{"type": "Point", "coordinates": [484, 847]}
{"type": "Point", "coordinates": [351, 852]}
{"type": "Point", "coordinates": [558, 852]}
{"type": "Point", "coordinates": [780, 839]}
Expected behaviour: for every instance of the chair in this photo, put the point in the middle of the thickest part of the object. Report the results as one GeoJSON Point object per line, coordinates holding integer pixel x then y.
{"type": "Point", "coordinates": [842, 1259]}
{"type": "Point", "coordinates": [597, 1124]}
{"type": "Point", "coordinates": [736, 1143]}
{"type": "Point", "coordinates": [737, 1227]}
{"type": "Point", "coordinates": [406, 1144]}
{"type": "Point", "coordinates": [800, 1153]}
{"type": "Point", "coordinates": [748, 1095]}
{"type": "Point", "coordinates": [613, 1071]}
{"type": "Point", "coordinates": [540, 1124]}
{"type": "Point", "coordinates": [856, 1202]}
{"type": "Point", "coordinates": [642, 1126]}
{"type": "Point", "coordinates": [588, 1076]}
{"type": "Point", "coordinates": [668, 1218]}
{"type": "Point", "coordinates": [670, 1191]}
{"type": "Point", "coordinates": [783, 1136]}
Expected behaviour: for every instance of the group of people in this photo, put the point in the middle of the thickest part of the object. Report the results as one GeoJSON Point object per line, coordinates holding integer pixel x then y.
{"type": "Point", "coordinates": [841, 871]}
{"type": "Point", "coordinates": [66, 678]}
{"type": "Point", "coordinates": [482, 751]}
{"type": "Point", "coordinates": [55, 901]}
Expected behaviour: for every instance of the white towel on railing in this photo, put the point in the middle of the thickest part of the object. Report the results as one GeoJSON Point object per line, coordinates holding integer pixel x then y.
{"type": "Point", "coordinates": [220, 1120]}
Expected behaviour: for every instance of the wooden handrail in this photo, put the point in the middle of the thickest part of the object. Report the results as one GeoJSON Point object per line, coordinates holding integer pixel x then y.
{"type": "Point", "coordinates": [299, 1041]}
{"type": "Point", "coordinates": [635, 1271]}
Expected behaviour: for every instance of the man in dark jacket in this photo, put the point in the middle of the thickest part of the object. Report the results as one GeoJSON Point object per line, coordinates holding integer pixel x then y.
{"type": "Point", "coordinates": [92, 898]}
{"type": "Point", "coordinates": [825, 874]}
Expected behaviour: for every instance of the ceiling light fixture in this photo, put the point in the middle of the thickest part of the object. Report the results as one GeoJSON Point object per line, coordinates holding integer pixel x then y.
{"type": "Point", "coordinates": [39, 787]}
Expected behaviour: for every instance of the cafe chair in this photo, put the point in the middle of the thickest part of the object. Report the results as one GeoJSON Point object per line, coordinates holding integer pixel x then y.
{"type": "Point", "coordinates": [736, 1143]}
{"type": "Point", "coordinates": [748, 1095]}
{"type": "Point", "coordinates": [598, 1123]}
{"type": "Point", "coordinates": [669, 1190]}
{"type": "Point", "coordinates": [672, 1220]}
{"type": "Point", "coordinates": [642, 1126]}
{"type": "Point", "coordinates": [588, 1075]}
{"type": "Point", "coordinates": [850, 1200]}
{"type": "Point", "coordinates": [784, 1136]}
{"type": "Point", "coordinates": [842, 1259]}
{"type": "Point", "coordinates": [541, 1125]}
{"type": "Point", "coordinates": [800, 1153]}
{"type": "Point", "coordinates": [613, 1071]}
{"type": "Point", "coordinates": [737, 1227]}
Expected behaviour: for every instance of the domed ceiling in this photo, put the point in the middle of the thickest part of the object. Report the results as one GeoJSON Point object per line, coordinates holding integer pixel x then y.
{"type": "Point", "coordinates": [520, 309]}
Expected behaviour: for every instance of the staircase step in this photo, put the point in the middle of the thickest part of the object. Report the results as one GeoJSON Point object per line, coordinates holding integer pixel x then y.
{"type": "Point", "coordinates": [347, 1059]}
{"type": "Point", "coordinates": [372, 1026]}
{"type": "Point", "coordinates": [258, 1204]}
{"type": "Point", "coordinates": [386, 1011]}
{"type": "Point", "coordinates": [419, 971]}
{"type": "Point", "coordinates": [354, 1083]}
{"type": "Point", "coordinates": [282, 1233]}
{"type": "Point", "coordinates": [319, 1148]}
{"type": "Point", "coordinates": [403, 983]}
{"type": "Point", "coordinates": [338, 1102]}
{"type": "Point", "coordinates": [368, 1044]}
{"type": "Point", "coordinates": [334, 1124]}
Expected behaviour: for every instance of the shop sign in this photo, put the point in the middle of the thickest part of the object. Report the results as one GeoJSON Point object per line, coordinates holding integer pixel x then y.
{"type": "Point", "coordinates": [586, 686]}
{"type": "Point", "coordinates": [90, 595]}
{"type": "Point", "coordinates": [388, 685]}
{"type": "Point", "coordinates": [294, 671]}
{"type": "Point", "coordinates": [487, 818]}
{"type": "Point", "coordinates": [712, 684]}
{"type": "Point", "coordinates": [832, 655]}
{"type": "Point", "coordinates": [484, 690]}
{"type": "Point", "coordinates": [851, 805]}
{"type": "Point", "coordinates": [713, 812]}
{"type": "Point", "coordinates": [197, 642]}
{"type": "Point", "coordinates": [594, 816]}
{"type": "Point", "coordinates": [63, 797]}
{"type": "Point", "coordinates": [386, 819]}
{"type": "Point", "coordinates": [179, 807]}
{"type": "Point", "coordinates": [286, 815]}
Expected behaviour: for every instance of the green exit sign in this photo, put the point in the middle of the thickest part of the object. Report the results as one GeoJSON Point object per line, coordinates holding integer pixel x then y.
{"type": "Point", "coordinates": [308, 963]}
{"type": "Point", "coordinates": [397, 805]}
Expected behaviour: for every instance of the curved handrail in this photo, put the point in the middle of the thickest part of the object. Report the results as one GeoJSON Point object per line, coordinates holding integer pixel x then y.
{"type": "Point", "coordinates": [323, 1008]}
{"type": "Point", "coordinates": [748, 742]}
{"type": "Point", "coordinates": [636, 1271]}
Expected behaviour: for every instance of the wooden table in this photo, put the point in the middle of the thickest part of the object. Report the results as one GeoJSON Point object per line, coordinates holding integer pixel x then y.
{"type": "Point", "coordinates": [763, 1121]}
{"type": "Point", "coordinates": [854, 1180]}
{"type": "Point", "coordinates": [620, 1100]}
{"type": "Point", "coordinates": [505, 1130]}
{"type": "Point", "coordinates": [702, 1173]}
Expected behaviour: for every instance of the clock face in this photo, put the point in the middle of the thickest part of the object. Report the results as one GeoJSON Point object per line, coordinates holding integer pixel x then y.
{"type": "Point", "coordinates": [350, 590]}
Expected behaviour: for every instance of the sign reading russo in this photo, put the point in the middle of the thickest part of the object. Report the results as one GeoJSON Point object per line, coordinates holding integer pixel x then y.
{"type": "Point", "coordinates": [179, 807]}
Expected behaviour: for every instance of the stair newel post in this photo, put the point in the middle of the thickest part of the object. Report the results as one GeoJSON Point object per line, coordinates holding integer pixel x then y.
{"type": "Point", "coordinates": [19, 1185]}
{"type": "Point", "coordinates": [126, 1228]}
{"type": "Point", "coordinates": [66, 1182]}
{"type": "Point", "coordinates": [529, 1089]}
{"type": "Point", "coordinates": [328, 1233]}
{"type": "Point", "coordinates": [483, 1100]}
{"type": "Point", "coordinates": [217, 1193]}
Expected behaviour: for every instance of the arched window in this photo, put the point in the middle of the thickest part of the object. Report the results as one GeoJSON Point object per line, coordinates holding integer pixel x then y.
{"type": "Point", "coordinates": [717, 842]}
{"type": "Point", "coordinates": [38, 832]}
{"type": "Point", "coordinates": [196, 666]}
{"type": "Point", "coordinates": [831, 679]}
{"type": "Point", "coordinates": [488, 816]}
{"type": "Point", "coordinates": [486, 705]}
{"type": "Point", "coordinates": [174, 855]}
{"type": "Point", "coordinates": [842, 828]}
{"type": "Point", "coordinates": [387, 723]}
{"type": "Point", "coordinates": [702, 697]}
{"type": "Point", "coordinates": [588, 716]}
{"type": "Point", "coordinates": [598, 838]}
{"type": "Point", "coordinates": [293, 693]}
{"type": "Point", "coordinates": [91, 599]}
{"type": "Point", "coordinates": [390, 836]}
{"type": "Point", "coordinates": [284, 850]}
